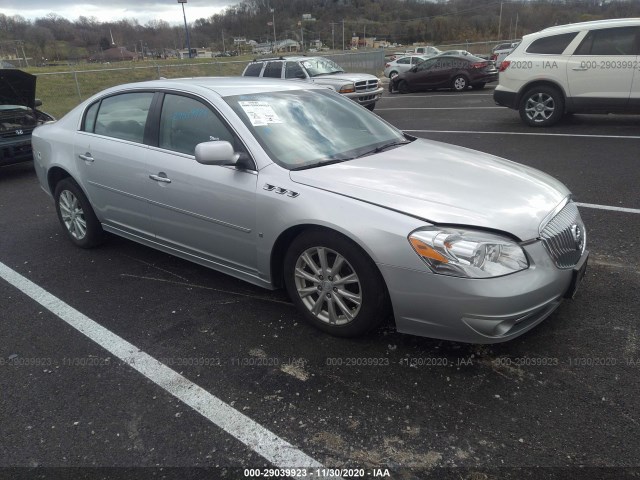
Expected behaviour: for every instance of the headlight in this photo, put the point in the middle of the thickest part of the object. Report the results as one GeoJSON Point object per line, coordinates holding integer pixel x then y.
{"type": "Point", "coordinates": [348, 88]}
{"type": "Point", "coordinates": [467, 253]}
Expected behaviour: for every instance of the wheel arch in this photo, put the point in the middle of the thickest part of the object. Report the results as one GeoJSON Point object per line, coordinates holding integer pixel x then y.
{"type": "Point", "coordinates": [541, 83]}
{"type": "Point", "coordinates": [280, 246]}
{"type": "Point", "coordinates": [55, 175]}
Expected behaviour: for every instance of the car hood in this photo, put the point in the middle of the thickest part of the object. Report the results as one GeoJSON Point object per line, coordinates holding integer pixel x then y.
{"type": "Point", "coordinates": [343, 77]}
{"type": "Point", "coordinates": [17, 88]}
{"type": "Point", "coordinates": [446, 184]}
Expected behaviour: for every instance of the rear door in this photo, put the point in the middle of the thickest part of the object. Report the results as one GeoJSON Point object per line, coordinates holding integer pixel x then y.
{"type": "Point", "coordinates": [111, 160]}
{"type": "Point", "coordinates": [601, 71]}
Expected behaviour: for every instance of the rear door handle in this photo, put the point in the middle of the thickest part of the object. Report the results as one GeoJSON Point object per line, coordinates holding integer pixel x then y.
{"type": "Point", "coordinates": [86, 157]}
{"type": "Point", "coordinates": [161, 177]}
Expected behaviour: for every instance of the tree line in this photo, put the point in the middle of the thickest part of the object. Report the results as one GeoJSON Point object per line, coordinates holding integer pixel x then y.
{"type": "Point", "coordinates": [55, 38]}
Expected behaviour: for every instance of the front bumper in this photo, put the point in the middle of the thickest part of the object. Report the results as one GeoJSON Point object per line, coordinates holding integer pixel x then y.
{"type": "Point", "coordinates": [365, 98]}
{"type": "Point", "coordinates": [477, 310]}
{"type": "Point", "coordinates": [15, 150]}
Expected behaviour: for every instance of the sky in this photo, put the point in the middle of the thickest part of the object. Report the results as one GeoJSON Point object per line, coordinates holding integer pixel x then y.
{"type": "Point", "coordinates": [109, 10]}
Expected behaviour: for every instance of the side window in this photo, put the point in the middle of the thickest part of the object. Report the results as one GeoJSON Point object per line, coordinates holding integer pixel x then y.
{"type": "Point", "coordinates": [124, 116]}
{"type": "Point", "coordinates": [611, 41]}
{"type": "Point", "coordinates": [273, 70]}
{"type": "Point", "coordinates": [426, 65]}
{"type": "Point", "coordinates": [253, 70]}
{"type": "Point", "coordinates": [90, 118]}
{"type": "Point", "coordinates": [552, 45]}
{"type": "Point", "coordinates": [293, 70]}
{"type": "Point", "coordinates": [416, 60]}
{"type": "Point", "coordinates": [186, 122]}
{"type": "Point", "coordinates": [403, 61]}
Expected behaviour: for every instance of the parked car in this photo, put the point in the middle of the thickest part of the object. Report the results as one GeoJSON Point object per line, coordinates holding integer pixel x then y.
{"type": "Point", "coordinates": [462, 53]}
{"type": "Point", "coordinates": [499, 55]}
{"type": "Point", "coordinates": [589, 67]}
{"type": "Point", "coordinates": [291, 184]}
{"type": "Point", "coordinates": [18, 115]}
{"type": "Point", "coordinates": [446, 71]}
{"type": "Point", "coordinates": [395, 67]}
{"type": "Point", "coordinates": [363, 88]}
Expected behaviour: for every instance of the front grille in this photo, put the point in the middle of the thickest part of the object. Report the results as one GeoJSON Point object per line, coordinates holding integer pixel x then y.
{"type": "Point", "coordinates": [565, 237]}
{"type": "Point", "coordinates": [366, 85]}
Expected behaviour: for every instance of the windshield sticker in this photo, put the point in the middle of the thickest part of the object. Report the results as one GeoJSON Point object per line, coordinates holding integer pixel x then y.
{"type": "Point", "coordinates": [260, 114]}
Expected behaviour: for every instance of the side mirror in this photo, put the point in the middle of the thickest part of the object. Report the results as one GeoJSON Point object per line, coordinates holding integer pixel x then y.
{"type": "Point", "coordinates": [414, 69]}
{"type": "Point", "coordinates": [301, 76]}
{"type": "Point", "coordinates": [38, 102]}
{"type": "Point", "coordinates": [216, 153]}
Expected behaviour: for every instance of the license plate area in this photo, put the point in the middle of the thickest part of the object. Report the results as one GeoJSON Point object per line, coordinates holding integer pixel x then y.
{"type": "Point", "coordinates": [578, 273]}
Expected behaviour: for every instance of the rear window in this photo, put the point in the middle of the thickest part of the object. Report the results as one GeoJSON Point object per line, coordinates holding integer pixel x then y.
{"type": "Point", "coordinates": [253, 70]}
{"type": "Point", "coordinates": [273, 70]}
{"type": "Point", "coordinates": [611, 41]}
{"type": "Point", "coordinates": [553, 45]}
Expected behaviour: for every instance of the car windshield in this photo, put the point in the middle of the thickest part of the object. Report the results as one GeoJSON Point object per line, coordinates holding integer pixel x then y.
{"type": "Point", "coordinates": [321, 66]}
{"type": "Point", "coordinates": [309, 128]}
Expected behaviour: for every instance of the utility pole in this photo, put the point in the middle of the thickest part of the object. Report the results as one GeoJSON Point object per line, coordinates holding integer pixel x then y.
{"type": "Point", "coordinates": [333, 43]}
{"type": "Point", "coordinates": [500, 22]}
{"type": "Point", "coordinates": [515, 33]}
{"type": "Point", "coordinates": [273, 20]}
{"type": "Point", "coordinates": [343, 34]}
{"type": "Point", "coordinates": [223, 47]}
{"type": "Point", "coordinates": [365, 35]}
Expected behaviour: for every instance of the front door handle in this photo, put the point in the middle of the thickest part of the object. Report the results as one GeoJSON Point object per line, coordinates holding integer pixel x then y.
{"type": "Point", "coordinates": [579, 69]}
{"type": "Point", "coordinates": [161, 177]}
{"type": "Point", "coordinates": [86, 157]}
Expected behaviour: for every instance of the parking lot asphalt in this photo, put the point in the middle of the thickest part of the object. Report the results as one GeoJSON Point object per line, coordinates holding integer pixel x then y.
{"type": "Point", "coordinates": [560, 400]}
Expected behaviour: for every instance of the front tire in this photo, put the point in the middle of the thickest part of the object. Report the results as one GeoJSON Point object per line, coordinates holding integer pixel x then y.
{"type": "Point", "coordinates": [76, 216]}
{"type": "Point", "coordinates": [334, 284]}
{"type": "Point", "coordinates": [541, 106]}
{"type": "Point", "coordinates": [460, 83]}
{"type": "Point", "coordinates": [403, 87]}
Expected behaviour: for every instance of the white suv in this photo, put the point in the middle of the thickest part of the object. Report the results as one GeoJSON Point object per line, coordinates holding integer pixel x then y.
{"type": "Point", "coordinates": [590, 67]}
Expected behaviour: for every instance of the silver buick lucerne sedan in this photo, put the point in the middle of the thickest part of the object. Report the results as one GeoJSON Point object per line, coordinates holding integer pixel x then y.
{"type": "Point", "coordinates": [292, 185]}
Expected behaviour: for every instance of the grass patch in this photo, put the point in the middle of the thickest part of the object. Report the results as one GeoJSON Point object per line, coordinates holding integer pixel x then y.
{"type": "Point", "coordinates": [60, 90]}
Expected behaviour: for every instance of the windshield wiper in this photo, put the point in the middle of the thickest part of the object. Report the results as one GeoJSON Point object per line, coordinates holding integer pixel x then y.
{"type": "Point", "coordinates": [322, 163]}
{"type": "Point", "coordinates": [381, 148]}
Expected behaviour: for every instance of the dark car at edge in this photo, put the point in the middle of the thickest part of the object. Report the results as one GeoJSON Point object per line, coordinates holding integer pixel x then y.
{"type": "Point", "coordinates": [446, 71]}
{"type": "Point", "coordinates": [18, 115]}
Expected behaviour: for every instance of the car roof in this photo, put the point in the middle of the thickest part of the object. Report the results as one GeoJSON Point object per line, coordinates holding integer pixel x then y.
{"type": "Point", "coordinates": [222, 86]}
{"type": "Point", "coordinates": [572, 27]}
{"type": "Point", "coordinates": [292, 58]}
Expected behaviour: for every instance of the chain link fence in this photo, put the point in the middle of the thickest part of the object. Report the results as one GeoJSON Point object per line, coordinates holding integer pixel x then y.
{"type": "Point", "coordinates": [61, 91]}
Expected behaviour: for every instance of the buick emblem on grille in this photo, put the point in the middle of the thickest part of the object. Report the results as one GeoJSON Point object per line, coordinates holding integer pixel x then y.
{"type": "Point", "coordinates": [576, 232]}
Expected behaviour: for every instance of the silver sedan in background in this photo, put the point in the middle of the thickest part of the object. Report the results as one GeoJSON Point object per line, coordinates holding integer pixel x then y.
{"type": "Point", "coordinates": [402, 64]}
{"type": "Point", "coordinates": [292, 185]}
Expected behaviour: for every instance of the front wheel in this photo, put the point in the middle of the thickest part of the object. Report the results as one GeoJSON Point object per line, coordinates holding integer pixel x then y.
{"type": "Point", "coordinates": [335, 285]}
{"type": "Point", "coordinates": [76, 215]}
{"type": "Point", "coordinates": [403, 87]}
{"type": "Point", "coordinates": [541, 106]}
{"type": "Point", "coordinates": [459, 83]}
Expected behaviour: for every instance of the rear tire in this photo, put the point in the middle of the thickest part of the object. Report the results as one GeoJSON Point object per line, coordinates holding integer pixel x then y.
{"type": "Point", "coordinates": [460, 83]}
{"type": "Point", "coordinates": [335, 285]}
{"type": "Point", "coordinates": [541, 106]}
{"type": "Point", "coordinates": [76, 215]}
{"type": "Point", "coordinates": [370, 107]}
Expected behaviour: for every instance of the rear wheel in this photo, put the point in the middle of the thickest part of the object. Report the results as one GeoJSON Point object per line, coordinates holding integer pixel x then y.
{"type": "Point", "coordinates": [335, 285]}
{"type": "Point", "coordinates": [541, 106]}
{"type": "Point", "coordinates": [393, 75]}
{"type": "Point", "coordinates": [459, 83]}
{"type": "Point", "coordinates": [403, 87]}
{"type": "Point", "coordinates": [79, 221]}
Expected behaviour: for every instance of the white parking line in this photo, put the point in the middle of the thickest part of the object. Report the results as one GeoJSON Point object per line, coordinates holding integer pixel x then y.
{"type": "Point", "coordinates": [607, 207]}
{"type": "Point", "coordinates": [264, 442]}
{"type": "Point", "coordinates": [399, 97]}
{"type": "Point", "coordinates": [439, 108]}
{"type": "Point", "coordinates": [534, 134]}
